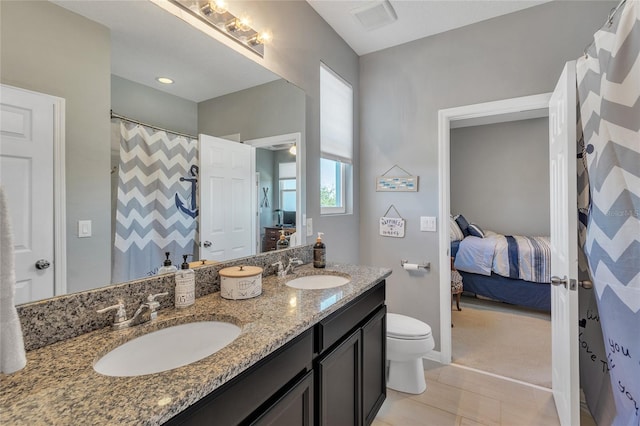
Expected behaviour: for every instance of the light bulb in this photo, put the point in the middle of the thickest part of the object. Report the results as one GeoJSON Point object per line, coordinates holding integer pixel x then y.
{"type": "Point", "coordinates": [262, 38]}
{"type": "Point", "coordinates": [243, 23]}
{"type": "Point", "coordinates": [293, 150]}
{"type": "Point", "coordinates": [218, 6]}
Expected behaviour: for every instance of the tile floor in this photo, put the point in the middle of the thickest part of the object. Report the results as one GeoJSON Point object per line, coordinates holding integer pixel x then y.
{"type": "Point", "coordinates": [457, 396]}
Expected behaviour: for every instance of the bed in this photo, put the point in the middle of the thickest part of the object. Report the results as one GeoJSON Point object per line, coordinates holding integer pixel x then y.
{"type": "Point", "coordinates": [513, 269]}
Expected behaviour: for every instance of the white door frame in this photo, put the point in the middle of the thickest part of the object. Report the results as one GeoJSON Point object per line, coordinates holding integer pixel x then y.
{"type": "Point", "coordinates": [59, 189]}
{"type": "Point", "coordinates": [295, 138]}
{"type": "Point", "coordinates": [476, 114]}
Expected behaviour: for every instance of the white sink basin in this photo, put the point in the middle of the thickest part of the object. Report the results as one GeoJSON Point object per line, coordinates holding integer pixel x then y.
{"type": "Point", "coordinates": [317, 282]}
{"type": "Point", "coordinates": [167, 349]}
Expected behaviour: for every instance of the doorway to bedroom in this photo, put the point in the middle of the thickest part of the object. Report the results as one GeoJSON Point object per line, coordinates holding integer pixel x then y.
{"type": "Point", "coordinates": [498, 174]}
{"type": "Point", "coordinates": [500, 184]}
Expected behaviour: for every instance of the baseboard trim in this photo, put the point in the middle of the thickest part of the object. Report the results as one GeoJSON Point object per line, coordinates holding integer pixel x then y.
{"type": "Point", "coordinates": [433, 356]}
{"type": "Point", "coordinates": [509, 379]}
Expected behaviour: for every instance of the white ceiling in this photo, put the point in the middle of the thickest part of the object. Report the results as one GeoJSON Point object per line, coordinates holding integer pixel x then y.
{"type": "Point", "coordinates": [416, 19]}
{"type": "Point", "coordinates": [148, 42]}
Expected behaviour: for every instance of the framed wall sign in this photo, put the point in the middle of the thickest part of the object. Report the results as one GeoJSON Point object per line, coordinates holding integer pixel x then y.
{"type": "Point", "coordinates": [387, 183]}
{"type": "Point", "coordinates": [397, 183]}
{"type": "Point", "coordinates": [392, 227]}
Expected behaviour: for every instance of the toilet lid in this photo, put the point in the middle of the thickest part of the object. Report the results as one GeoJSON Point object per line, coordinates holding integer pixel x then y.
{"type": "Point", "coordinates": [404, 327]}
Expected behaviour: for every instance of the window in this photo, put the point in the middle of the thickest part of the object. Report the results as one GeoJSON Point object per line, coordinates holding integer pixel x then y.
{"type": "Point", "coordinates": [336, 141]}
{"type": "Point", "coordinates": [332, 186]}
{"type": "Point", "coordinates": [287, 186]}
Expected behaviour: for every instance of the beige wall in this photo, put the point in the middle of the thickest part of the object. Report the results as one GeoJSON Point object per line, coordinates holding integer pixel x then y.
{"type": "Point", "coordinates": [50, 50]}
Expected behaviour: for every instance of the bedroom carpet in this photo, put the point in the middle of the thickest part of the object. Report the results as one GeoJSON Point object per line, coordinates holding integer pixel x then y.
{"type": "Point", "coordinates": [503, 340]}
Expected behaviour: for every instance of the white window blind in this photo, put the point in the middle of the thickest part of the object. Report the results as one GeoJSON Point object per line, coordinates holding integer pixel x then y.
{"type": "Point", "coordinates": [287, 170]}
{"type": "Point", "coordinates": [336, 116]}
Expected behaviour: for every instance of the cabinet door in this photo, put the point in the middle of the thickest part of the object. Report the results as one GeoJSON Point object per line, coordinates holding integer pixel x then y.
{"type": "Point", "coordinates": [374, 360]}
{"type": "Point", "coordinates": [339, 397]}
{"type": "Point", "coordinates": [293, 408]}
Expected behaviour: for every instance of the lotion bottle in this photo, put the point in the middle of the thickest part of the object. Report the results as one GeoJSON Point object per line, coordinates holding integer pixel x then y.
{"type": "Point", "coordinates": [185, 285]}
{"type": "Point", "coordinates": [319, 253]}
{"type": "Point", "coordinates": [282, 243]}
{"type": "Point", "coordinates": [167, 268]}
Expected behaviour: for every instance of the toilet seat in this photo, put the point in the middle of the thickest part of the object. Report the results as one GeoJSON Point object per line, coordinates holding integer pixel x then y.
{"type": "Point", "coordinates": [406, 328]}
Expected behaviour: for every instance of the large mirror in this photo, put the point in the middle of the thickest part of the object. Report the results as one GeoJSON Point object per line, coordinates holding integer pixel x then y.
{"type": "Point", "coordinates": [107, 56]}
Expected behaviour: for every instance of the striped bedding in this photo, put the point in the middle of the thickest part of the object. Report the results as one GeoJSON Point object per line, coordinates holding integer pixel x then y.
{"type": "Point", "coordinates": [526, 258]}
{"type": "Point", "coordinates": [512, 256]}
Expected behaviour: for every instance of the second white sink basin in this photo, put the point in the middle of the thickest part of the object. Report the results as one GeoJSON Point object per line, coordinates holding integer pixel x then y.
{"type": "Point", "coordinates": [317, 282]}
{"type": "Point", "coordinates": [166, 349]}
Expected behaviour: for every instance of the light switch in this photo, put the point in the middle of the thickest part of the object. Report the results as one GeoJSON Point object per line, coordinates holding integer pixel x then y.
{"type": "Point", "coordinates": [427, 224]}
{"type": "Point", "coordinates": [84, 228]}
{"type": "Point", "coordinates": [309, 227]}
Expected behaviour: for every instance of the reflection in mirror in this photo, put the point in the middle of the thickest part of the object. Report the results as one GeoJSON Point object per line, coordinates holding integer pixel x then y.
{"type": "Point", "coordinates": [280, 205]}
{"type": "Point", "coordinates": [103, 56]}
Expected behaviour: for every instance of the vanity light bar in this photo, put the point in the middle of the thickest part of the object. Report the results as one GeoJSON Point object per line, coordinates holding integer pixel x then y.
{"type": "Point", "coordinates": [216, 14]}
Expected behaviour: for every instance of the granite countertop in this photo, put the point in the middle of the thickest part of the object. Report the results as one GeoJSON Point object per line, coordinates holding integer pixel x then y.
{"type": "Point", "coordinates": [59, 386]}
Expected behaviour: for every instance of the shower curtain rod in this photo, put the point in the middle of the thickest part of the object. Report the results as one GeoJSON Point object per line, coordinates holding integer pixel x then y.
{"type": "Point", "coordinates": [608, 22]}
{"type": "Point", "coordinates": [131, 120]}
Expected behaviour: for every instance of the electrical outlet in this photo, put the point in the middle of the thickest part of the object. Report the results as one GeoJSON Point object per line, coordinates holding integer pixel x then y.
{"type": "Point", "coordinates": [427, 224]}
{"type": "Point", "coordinates": [309, 227]}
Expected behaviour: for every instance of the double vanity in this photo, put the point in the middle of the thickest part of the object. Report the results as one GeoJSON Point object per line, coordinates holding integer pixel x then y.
{"type": "Point", "coordinates": [298, 354]}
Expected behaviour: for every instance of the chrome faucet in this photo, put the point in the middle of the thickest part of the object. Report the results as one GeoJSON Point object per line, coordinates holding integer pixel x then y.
{"type": "Point", "coordinates": [293, 263]}
{"type": "Point", "coordinates": [281, 272]}
{"type": "Point", "coordinates": [120, 320]}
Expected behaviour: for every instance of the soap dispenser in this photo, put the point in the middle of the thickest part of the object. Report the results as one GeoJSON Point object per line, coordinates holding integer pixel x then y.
{"type": "Point", "coordinates": [185, 285]}
{"type": "Point", "coordinates": [319, 253]}
{"type": "Point", "coordinates": [282, 243]}
{"type": "Point", "coordinates": [167, 268]}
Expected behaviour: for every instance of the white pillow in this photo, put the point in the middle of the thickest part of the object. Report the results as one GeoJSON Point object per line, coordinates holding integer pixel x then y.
{"type": "Point", "coordinates": [455, 233]}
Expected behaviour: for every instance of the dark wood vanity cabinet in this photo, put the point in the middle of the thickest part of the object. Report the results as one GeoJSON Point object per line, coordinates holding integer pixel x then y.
{"type": "Point", "coordinates": [351, 374]}
{"type": "Point", "coordinates": [374, 365]}
{"type": "Point", "coordinates": [257, 390]}
{"type": "Point", "coordinates": [332, 374]}
{"type": "Point", "coordinates": [339, 390]}
{"type": "Point", "coordinates": [295, 407]}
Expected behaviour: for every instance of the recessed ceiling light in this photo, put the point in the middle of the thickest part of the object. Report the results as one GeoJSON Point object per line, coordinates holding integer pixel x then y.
{"type": "Point", "coordinates": [164, 80]}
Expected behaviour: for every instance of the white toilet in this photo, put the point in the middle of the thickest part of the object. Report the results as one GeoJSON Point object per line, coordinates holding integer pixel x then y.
{"type": "Point", "coordinates": [408, 340]}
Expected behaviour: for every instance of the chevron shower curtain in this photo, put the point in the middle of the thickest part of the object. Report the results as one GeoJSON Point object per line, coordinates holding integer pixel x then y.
{"type": "Point", "coordinates": [156, 207]}
{"type": "Point", "coordinates": [609, 92]}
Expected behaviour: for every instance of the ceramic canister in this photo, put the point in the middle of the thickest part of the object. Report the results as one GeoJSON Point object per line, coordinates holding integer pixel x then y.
{"type": "Point", "coordinates": [240, 282]}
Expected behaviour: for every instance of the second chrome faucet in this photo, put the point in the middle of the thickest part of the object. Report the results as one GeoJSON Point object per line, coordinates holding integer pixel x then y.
{"type": "Point", "coordinates": [120, 320]}
{"type": "Point", "coordinates": [291, 266]}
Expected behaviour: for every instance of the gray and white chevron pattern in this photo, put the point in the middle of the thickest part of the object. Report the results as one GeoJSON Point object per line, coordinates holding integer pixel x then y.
{"type": "Point", "coordinates": [609, 92]}
{"type": "Point", "coordinates": [154, 211]}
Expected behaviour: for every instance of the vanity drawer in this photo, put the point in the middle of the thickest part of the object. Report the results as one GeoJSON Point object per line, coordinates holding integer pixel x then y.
{"type": "Point", "coordinates": [338, 324]}
{"type": "Point", "coordinates": [234, 401]}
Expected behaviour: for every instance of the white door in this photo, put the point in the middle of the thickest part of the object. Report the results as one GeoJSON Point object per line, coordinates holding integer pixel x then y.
{"type": "Point", "coordinates": [227, 199]}
{"type": "Point", "coordinates": [26, 174]}
{"type": "Point", "coordinates": [564, 247]}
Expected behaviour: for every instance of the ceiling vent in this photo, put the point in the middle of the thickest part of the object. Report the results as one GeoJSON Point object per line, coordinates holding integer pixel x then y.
{"type": "Point", "coordinates": [375, 14]}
